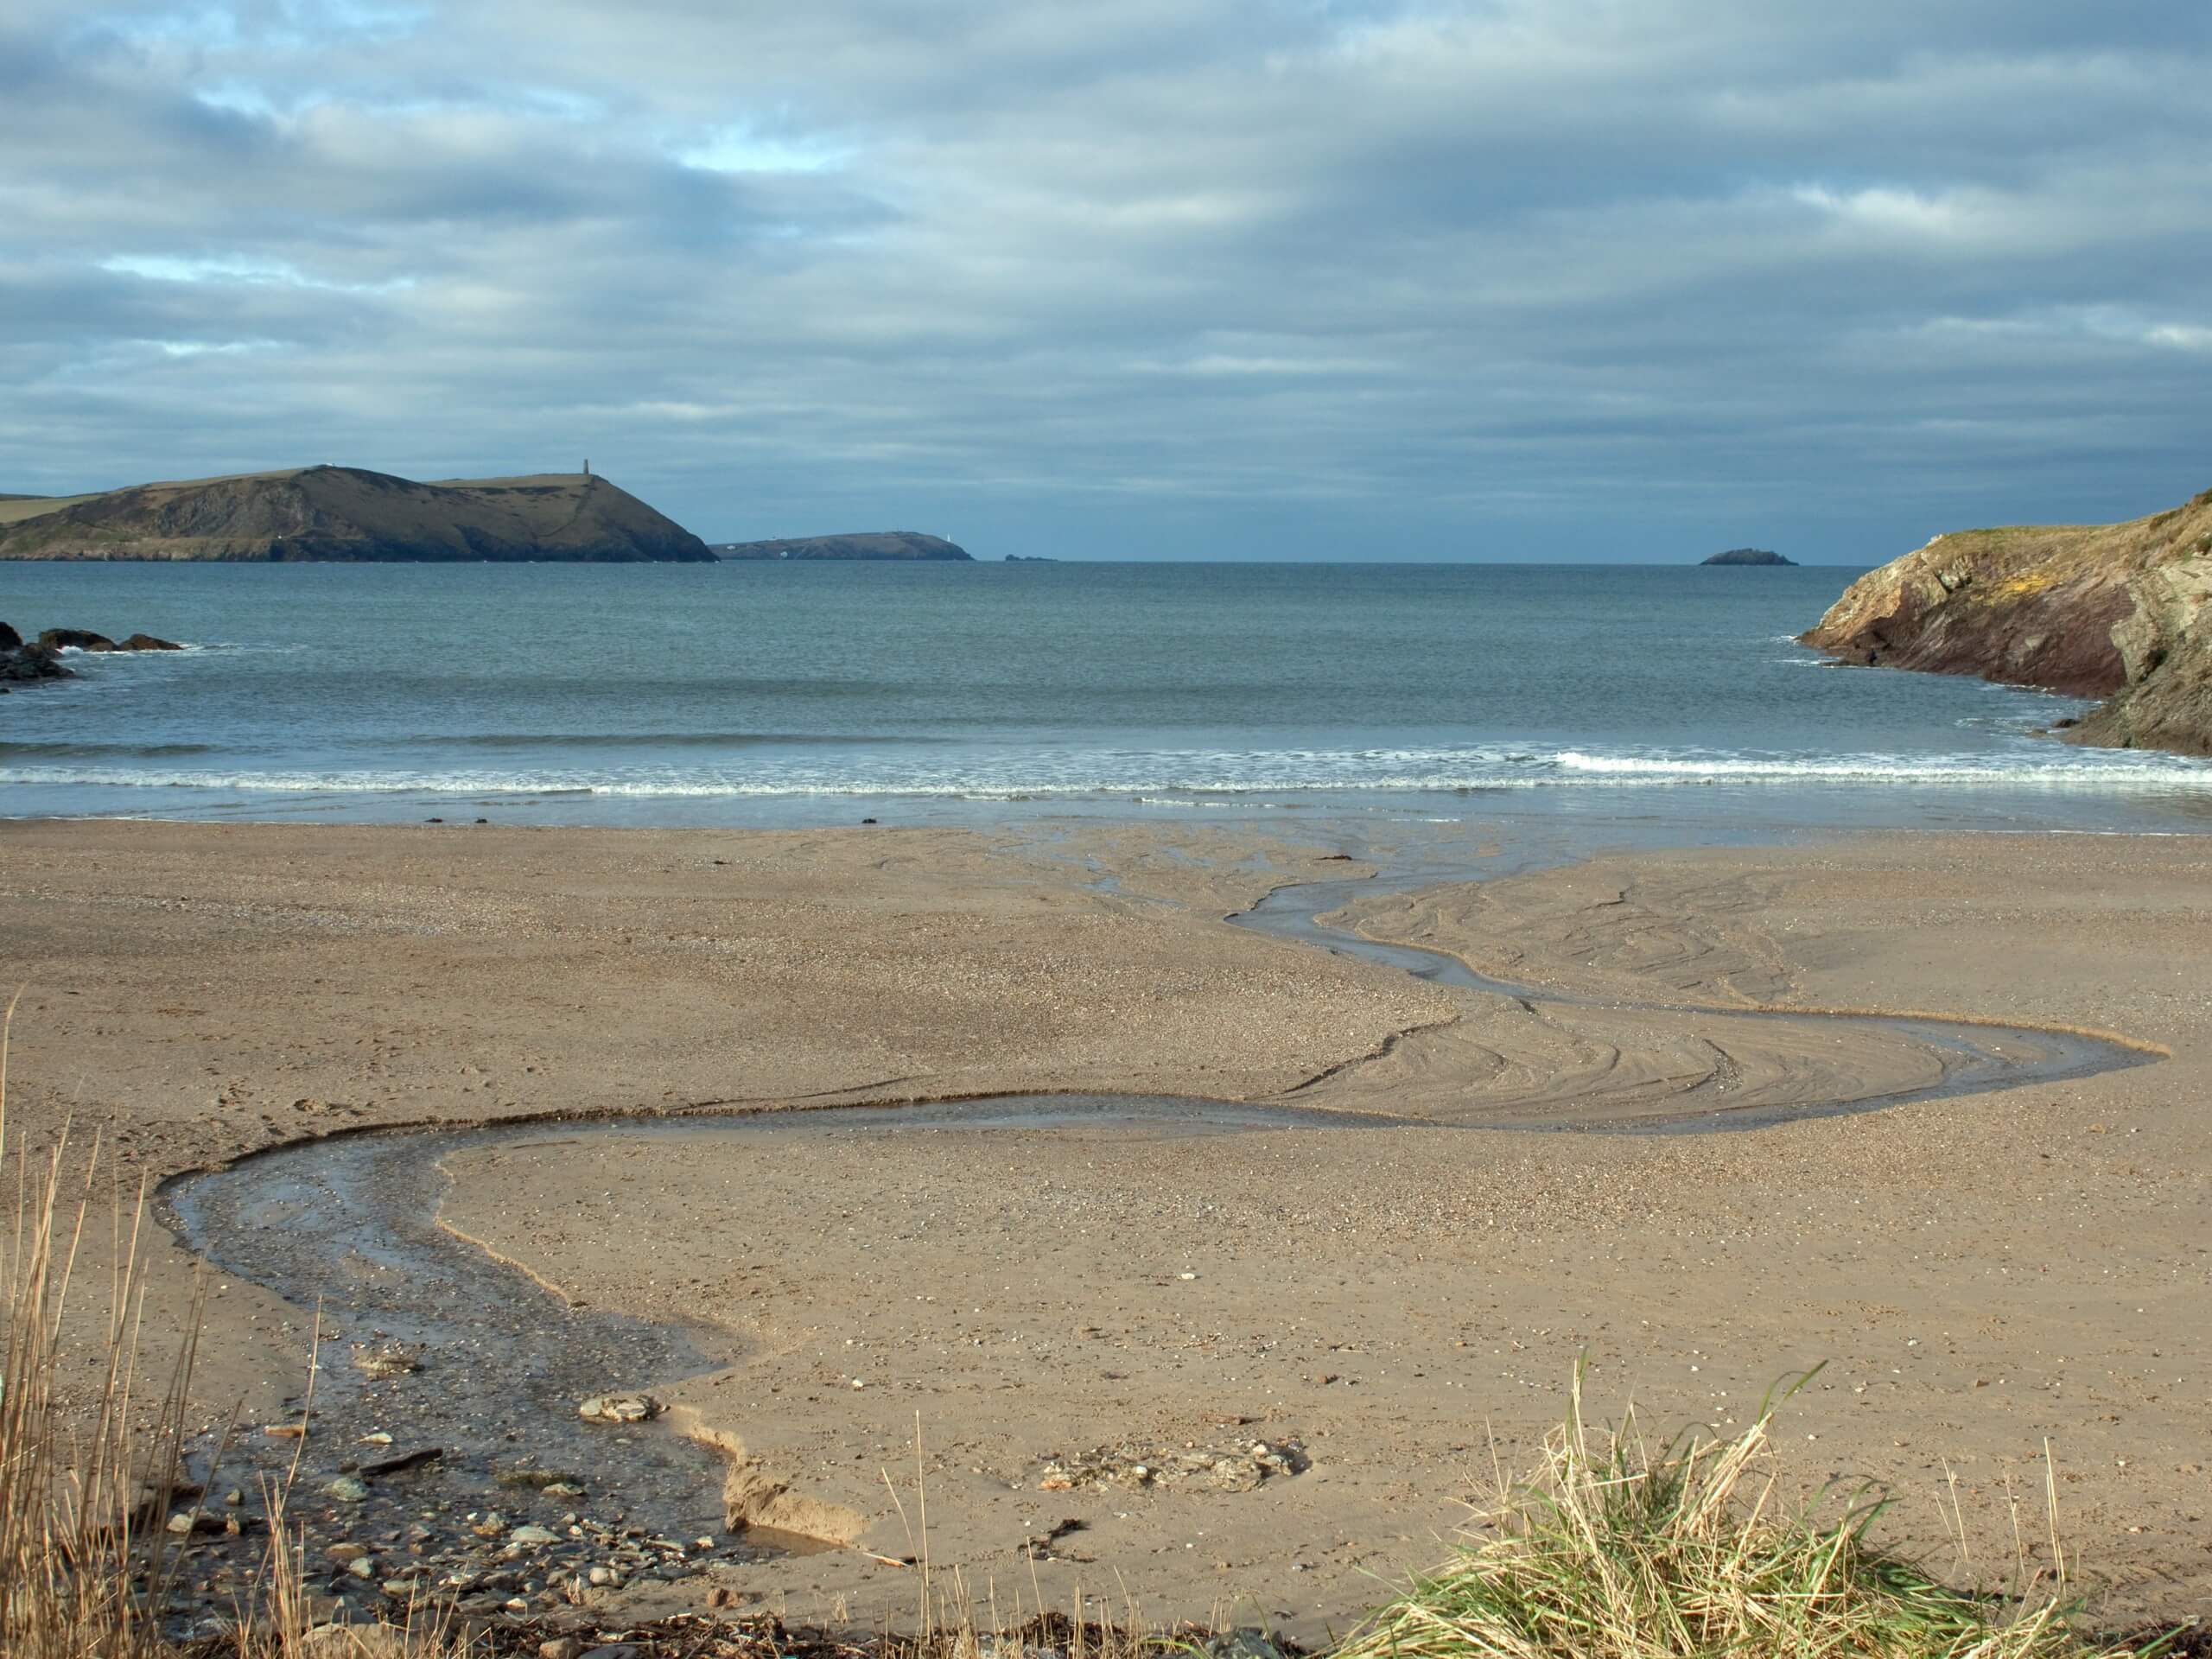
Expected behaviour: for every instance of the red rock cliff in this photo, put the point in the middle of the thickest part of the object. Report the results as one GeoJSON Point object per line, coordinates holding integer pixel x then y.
{"type": "Point", "coordinates": [2093, 610]}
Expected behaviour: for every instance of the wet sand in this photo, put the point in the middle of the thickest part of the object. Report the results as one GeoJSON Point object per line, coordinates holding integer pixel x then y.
{"type": "Point", "coordinates": [1979, 1273]}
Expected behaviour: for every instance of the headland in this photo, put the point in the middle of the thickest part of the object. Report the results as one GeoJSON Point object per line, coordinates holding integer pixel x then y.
{"type": "Point", "coordinates": [2110, 611]}
{"type": "Point", "coordinates": [905, 546]}
{"type": "Point", "coordinates": [349, 514]}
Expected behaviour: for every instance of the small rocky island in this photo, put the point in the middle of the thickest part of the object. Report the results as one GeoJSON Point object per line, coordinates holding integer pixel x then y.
{"type": "Point", "coordinates": [894, 544]}
{"type": "Point", "coordinates": [2111, 611]}
{"type": "Point", "coordinates": [348, 513]}
{"type": "Point", "coordinates": [28, 662]}
{"type": "Point", "coordinates": [1749, 556]}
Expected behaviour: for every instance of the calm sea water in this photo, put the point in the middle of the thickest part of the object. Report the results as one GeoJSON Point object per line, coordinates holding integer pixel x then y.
{"type": "Point", "coordinates": [775, 694]}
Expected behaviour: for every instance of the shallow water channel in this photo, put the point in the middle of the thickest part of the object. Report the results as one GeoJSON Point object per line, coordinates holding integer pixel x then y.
{"type": "Point", "coordinates": [349, 1223]}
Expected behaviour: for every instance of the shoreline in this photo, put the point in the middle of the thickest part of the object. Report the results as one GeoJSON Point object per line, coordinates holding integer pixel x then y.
{"type": "Point", "coordinates": [508, 931]}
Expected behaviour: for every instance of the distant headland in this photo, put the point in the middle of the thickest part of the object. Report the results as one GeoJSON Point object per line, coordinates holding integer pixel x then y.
{"type": "Point", "coordinates": [902, 544]}
{"type": "Point", "coordinates": [347, 514]}
{"type": "Point", "coordinates": [1749, 556]}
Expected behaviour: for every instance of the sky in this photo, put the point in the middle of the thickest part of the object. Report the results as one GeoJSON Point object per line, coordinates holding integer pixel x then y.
{"type": "Point", "coordinates": [1611, 279]}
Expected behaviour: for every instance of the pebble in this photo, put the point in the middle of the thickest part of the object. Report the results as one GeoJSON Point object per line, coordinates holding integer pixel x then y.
{"type": "Point", "coordinates": [533, 1534]}
{"type": "Point", "coordinates": [385, 1363]}
{"type": "Point", "coordinates": [347, 1489]}
{"type": "Point", "coordinates": [618, 1408]}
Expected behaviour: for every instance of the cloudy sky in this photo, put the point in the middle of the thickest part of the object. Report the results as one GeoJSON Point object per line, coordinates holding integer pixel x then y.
{"type": "Point", "coordinates": [1572, 279]}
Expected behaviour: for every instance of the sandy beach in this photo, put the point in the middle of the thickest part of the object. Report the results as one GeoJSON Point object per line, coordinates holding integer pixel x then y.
{"type": "Point", "coordinates": [1400, 1309]}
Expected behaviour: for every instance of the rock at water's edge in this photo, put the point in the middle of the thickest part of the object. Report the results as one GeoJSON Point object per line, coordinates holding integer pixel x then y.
{"type": "Point", "coordinates": [2094, 611]}
{"type": "Point", "coordinates": [22, 661]}
{"type": "Point", "coordinates": [75, 639]}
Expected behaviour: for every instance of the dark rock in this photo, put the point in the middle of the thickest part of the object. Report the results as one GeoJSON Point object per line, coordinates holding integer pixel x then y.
{"type": "Point", "coordinates": [147, 642]}
{"type": "Point", "coordinates": [9, 639]}
{"type": "Point", "coordinates": [404, 1460]}
{"type": "Point", "coordinates": [75, 639]}
{"type": "Point", "coordinates": [33, 662]}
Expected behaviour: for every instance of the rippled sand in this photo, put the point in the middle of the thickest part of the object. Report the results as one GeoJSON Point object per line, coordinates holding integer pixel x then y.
{"type": "Point", "coordinates": [1979, 1273]}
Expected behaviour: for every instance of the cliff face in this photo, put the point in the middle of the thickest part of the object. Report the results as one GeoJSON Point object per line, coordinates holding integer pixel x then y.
{"type": "Point", "coordinates": [345, 513]}
{"type": "Point", "coordinates": [860, 545]}
{"type": "Point", "coordinates": [2108, 611]}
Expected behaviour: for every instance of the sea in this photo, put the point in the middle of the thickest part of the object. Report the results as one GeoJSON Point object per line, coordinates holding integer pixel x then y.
{"type": "Point", "coordinates": [764, 693]}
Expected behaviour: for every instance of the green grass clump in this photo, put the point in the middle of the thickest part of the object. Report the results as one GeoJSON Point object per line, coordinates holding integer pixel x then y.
{"type": "Point", "coordinates": [1617, 1552]}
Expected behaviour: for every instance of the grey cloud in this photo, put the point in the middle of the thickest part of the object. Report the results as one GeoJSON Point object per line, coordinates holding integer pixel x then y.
{"type": "Point", "coordinates": [1564, 278]}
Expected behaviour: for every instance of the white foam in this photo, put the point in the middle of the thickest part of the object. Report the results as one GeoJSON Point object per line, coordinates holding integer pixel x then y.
{"type": "Point", "coordinates": [2067, 768]}
{"type": "Point", "coordinates": [1004, 774]}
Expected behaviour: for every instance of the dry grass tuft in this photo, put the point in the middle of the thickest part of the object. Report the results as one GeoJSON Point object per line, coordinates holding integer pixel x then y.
{"type": "Point", "coordinates": [1618, 1552]}
{"type": "Point", "coordinates": [81, 1548]}
{"type": "Point", "coordinates": [87, 1487]}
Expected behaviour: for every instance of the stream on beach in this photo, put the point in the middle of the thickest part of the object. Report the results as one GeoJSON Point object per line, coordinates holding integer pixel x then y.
{"type": "Point", "coordinates": [350, 1225]}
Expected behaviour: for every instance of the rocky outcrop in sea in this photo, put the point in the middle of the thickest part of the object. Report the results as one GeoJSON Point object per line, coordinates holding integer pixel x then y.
{"type": "Point", "coordinates": [28, 662]}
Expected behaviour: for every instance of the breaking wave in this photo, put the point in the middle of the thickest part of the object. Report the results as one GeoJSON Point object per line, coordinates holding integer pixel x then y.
{"type": "Point", "coordinates": [757, 767]}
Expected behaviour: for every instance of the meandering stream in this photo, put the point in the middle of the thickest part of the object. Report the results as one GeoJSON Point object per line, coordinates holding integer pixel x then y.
{"type": "Point", "coordinates": [351, 1224]}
